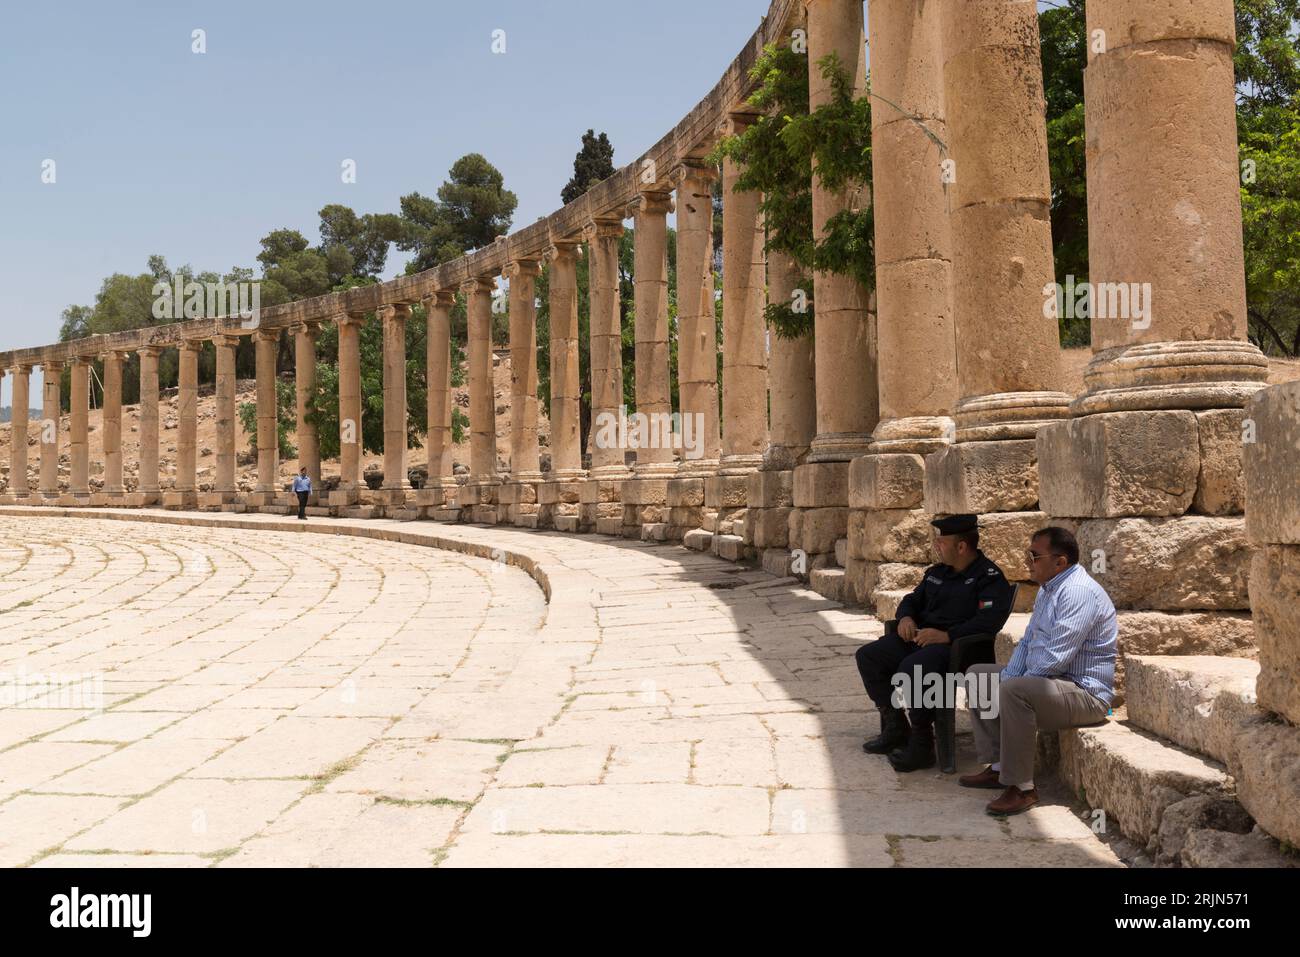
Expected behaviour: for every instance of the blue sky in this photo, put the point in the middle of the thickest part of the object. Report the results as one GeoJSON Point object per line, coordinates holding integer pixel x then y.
{"type": "Point", "coordinates": [196, 157]}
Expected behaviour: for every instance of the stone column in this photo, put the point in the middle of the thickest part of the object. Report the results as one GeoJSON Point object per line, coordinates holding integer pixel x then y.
{"type": "Point", "coordinates": [915, 324]}
{"type": "Point", "coordinates": [266, 343]}
{"type": "Point", "coordinates": [79, 436]}
{"type": "Point", "coordinates": [697, 353]}
{"type": "Point", "coordinates": [518, 497]}
{"type": "Point", "coordinates": [440, 482]}
{"type": "Point", "coordinates": [845, 347]}
{"type": "Point", "coordinates": [349, 488]}
{"type": "Point", "coordinates": [1164, 212]}
{"type": "Point", "coordinates": [792, 393]}
{"type": "Point", "coordinates": [396, 485]}
{"type": "Point", "coordinates": [114, 491]}
{"type": "Point", "coordinates": [654, 455]}
{"type": "Point", "coordinates": [558, 496]}
{"type": "Point", "coordinates": [649, 430]}
{"type": "Point", "coordinates": [744, 357]}
{"type": "Point", "coordinates": [51, 373]}
{"type": "Point", "coordinates": [1151, 464]}
{"type": "Point", "coordinates": [844, 343]}
{"type": "Point", "coordinates": [304, 362]}
{"type": "Point", "coordinates": [184, 492]}
{"type": "Point", "coordinates": [480, 493]}
{"type": "Point", "coordinates": [19, 487]}
{"type": "Point", "coordinates": [1002, 262]}
{"type": "Point", "coordinates": [601, 509]}
{"type": "Point", "coordinates": [147, 490]}
{"type": "Point", "coordinates": [223, 492]}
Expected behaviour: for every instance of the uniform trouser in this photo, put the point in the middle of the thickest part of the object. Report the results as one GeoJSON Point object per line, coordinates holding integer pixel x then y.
{"type": "Point", "coordinates": [302, 504]}
{"type": "Point", "coordinates": [1025, 706]}
{"type": "Point", "coordinates": [879, 661]}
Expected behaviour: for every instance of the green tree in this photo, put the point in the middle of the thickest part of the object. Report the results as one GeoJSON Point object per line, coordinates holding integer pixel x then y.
{"type": "Point", "coordinates": [473, 208]}
{"type": "Point", "coordinates": [594, 162]}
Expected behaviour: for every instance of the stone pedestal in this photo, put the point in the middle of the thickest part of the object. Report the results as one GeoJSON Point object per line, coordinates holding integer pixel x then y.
{"type": "Point", "coordinates": [188, 500]}
{"type": "Point", "coordinates": [518, 504]}
{"type": "Point", "coordinates": [600, 506]}
{"type": "Point", "coordinates": [559, 500]}
{"type": "Point", "coordinates": [645, 502]}
{"type": "Point", "coordinates": [686, 507]}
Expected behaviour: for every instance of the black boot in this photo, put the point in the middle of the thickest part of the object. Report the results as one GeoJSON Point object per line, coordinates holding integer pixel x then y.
{"type": "Point", "coordinates": [894, 731]}
{"type": "Point", "coordinates": [919, 752]}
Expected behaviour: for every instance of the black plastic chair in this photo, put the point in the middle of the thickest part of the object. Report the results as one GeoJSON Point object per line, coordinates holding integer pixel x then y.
{"type": "Point", "coordinates": [966, 651]}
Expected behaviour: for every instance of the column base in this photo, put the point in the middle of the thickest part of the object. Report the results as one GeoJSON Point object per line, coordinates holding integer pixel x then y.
{"type": "Point", "coordinates": [143, 499]}
{"type": "Point", "coordinates": [431, 496]}
{"type": "Point", "coordinates": [260, 499]}
{"type": "Point", "coordinates": [1210, 374]}
{"type": "Point", "coordinates": [838, 446]}
{"type": "Point", "coordinates": [215, 500]}
{"type": "Point", "coordinates": [916, 435]}
{"type": "Point", "coordinates": [75, 500]}
{"type": "Point", "coordinates": [1006, 416]}
{"type": "Point", "coordinates": [181, 500]}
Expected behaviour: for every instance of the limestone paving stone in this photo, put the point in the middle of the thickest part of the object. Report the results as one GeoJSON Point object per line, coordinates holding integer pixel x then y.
{"type": "Point", "coordinates": [665, 701]}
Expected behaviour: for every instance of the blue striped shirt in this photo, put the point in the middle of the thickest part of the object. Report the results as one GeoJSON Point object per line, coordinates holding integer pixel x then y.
{"type": "Point", "coordinates": [1073, 633]}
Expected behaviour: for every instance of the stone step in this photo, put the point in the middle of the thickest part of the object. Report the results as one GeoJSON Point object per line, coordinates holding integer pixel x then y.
{"type": "Point", "coordinates": [606, 525]}
{"type": "Point", "coordinates": [828, 582]}
{"type": "Point", "coordinates": [1196, 701]}
{"type": "Point", "coordinates": [1010, 635]}
{"type": "Point", "coordinates": [566, 523]}
{"type": "Point", "coordinates": [730, 547]}
{"type": "Point", "coordinates": [1134, 776]}
{"type": "Point", "coordinates": [842, 552]}
{"type": "Point", "coordinates": [698, 539]}
{"type": "Point", "coordinates": [886, 600]}
{"type": "Point", "coordinates": [778, 562]}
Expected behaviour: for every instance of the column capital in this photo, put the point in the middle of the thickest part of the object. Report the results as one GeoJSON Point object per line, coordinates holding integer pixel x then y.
{"type": "Point", "coordinates": [733, 124]}
{"type": "Point", "coordinates": [478, 284]}
{"type": "Point", "coordinates": [227, 340]}
{"type": "Point", "coordinates": [350, 318]}
{"type": "Point", "coordinates": [309, 326]}
{"type": "Point", "coordinates": [653, 202]}
{"type": "Point", "coordinates": [263, 334]}
{"type": "Point", "coordinates": [149, 350]}
{"type": "Point", "coordinates": [191, 345]}
{"type": "Point", "coordinates": [394, 311]}
{"type": "Point", "coordinates": [694, 171]}
{"type": "Point", "coordinates": [562, 248]}
{"type": "Point", "coordinates": [119, 355]}
{"type": "Point", "coordinates": [51, 365]}
{"type": "Point", "coordinates": [602, 229]}
{"type": "Point", "coordinates": [20, 368]}
{"type": "Point", "coordinates": [444, 298]}
{"type": "Point", "coordinates": [80, 360]}
{"type": "Point", "coordinates": [521, 268]}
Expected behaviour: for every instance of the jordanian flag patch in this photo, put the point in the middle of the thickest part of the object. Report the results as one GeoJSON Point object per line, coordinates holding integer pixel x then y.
{"type": "Point", "coordinates": [986, 604]}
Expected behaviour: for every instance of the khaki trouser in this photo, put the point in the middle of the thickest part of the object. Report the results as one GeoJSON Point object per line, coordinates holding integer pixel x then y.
{"type": "Point", "coordinates": [1027, 705]}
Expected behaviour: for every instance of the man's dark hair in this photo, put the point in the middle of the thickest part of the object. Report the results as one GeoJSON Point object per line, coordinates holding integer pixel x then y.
{"type": "Point", "coordinates": [1060, 541]}
{"type": "Point", "coordinates": [971, 538]}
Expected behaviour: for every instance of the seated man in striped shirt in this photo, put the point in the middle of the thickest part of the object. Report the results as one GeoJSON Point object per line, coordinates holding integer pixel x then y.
{"type": "Point", "coordinates": [1062, 674]}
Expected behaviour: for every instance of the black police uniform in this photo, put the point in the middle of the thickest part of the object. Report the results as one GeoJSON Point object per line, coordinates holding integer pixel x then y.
{"type": "Point", "coordinates": [970, 602]}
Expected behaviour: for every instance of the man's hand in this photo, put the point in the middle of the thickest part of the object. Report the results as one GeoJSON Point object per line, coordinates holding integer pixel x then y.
{"type": "Point", "coordinates": [931, 636]}
{"type": "Point", "coordinates": [907, 629]}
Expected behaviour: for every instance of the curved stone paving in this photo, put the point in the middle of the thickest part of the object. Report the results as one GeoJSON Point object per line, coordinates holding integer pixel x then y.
{"type": "Point", "coordinates": [276, 694]}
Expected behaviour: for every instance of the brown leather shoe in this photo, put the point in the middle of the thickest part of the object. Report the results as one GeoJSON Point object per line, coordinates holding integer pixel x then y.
{"type": "Point", "coordinates": [988, 778]}
{"type": "Point", "coordinates": [1013, 801]}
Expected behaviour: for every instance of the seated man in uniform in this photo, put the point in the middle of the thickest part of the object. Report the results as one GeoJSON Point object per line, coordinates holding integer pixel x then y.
{"type": "Point", "coordinates": [1061, 675]}
{"type": "Point", "coordinates": [965, 594]}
